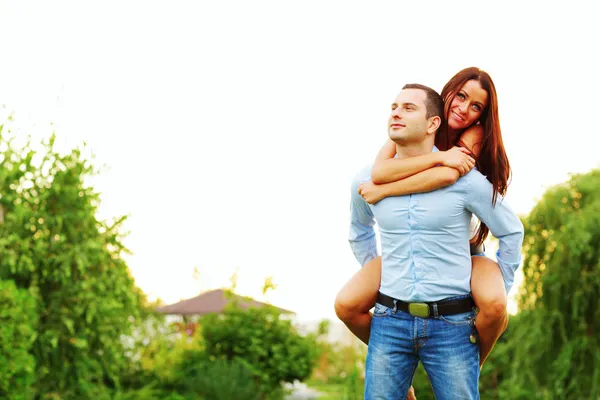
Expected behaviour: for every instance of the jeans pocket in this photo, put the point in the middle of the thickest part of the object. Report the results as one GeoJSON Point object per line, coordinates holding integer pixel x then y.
{"type": "Point", "coordinates": [459, 319]}
{"type": "Point", "coordinates": [379, 310]}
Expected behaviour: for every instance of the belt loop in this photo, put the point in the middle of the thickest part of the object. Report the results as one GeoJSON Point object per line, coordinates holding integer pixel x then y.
{"type": "Point", "coordinates": [395, 309]}
{"type": "Point", "coordinates": [435, 310]}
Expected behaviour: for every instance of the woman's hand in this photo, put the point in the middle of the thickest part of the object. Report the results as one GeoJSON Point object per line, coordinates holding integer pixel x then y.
{"type": "Point", "coordinates": [371, 192]}
{"type": "Point", "coordinates": [458, 158]}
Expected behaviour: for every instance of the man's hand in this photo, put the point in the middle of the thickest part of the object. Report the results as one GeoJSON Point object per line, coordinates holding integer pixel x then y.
{"type": "Point", "coordinates": [411, 394]}
{"type": "Point", "coordinates": [371, 192]}
{"type": "Point", "coordinates": [459, 159]}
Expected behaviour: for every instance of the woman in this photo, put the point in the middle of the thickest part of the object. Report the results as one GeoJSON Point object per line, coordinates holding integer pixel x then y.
{"type": "Point", "coordinates": [471, 122]}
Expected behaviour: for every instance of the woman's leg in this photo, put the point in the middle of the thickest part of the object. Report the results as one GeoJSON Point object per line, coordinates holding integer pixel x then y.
{"type": "Point", "coordinates": [354, 302]}
{"type": "Point", "coordinates": [357, 297]}
{"type": "Point", "coordinates": [489, 294]}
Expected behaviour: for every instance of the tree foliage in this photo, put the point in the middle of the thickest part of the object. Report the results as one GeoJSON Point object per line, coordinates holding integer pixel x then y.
{"type": "Point", "coordinates": [262, 340]}
{"type": "Point", "coordinates": [553, 351]}
{"type": "Point", "coordinates": [53, 246]}
{"type": "Point", "coordinates": [18, 320]}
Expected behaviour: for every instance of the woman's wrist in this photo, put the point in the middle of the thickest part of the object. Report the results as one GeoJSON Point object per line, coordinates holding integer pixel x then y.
{"type": "Point", "coordinates": [440, 157]}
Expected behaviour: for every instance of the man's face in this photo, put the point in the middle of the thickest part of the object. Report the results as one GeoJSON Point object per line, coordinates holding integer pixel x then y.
{"type": "Point", "coordinates": [408, 121]}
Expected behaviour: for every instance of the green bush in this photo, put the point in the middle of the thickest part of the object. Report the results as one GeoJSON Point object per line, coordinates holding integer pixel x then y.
{"type": "Point", "coordinates": [218, 379]}
{"type": "Point", "coordinates": [18, 319]}
{"type": "Point", "coordinates": [157, 351]}
{"type": "Point", "coordinates": [159, 357]}
{"type": "Point", "coordinates": [267, 344]}
{"type": "Point", "coordinates": [172, 366]}
{"type": "Point", "coordinates": [152, 391]}
{"type": "Point", "coordinates": [148, 392]}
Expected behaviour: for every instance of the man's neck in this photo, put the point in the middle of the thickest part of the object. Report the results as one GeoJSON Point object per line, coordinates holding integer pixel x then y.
{"type": "Point", "coordinates": [415, 149]}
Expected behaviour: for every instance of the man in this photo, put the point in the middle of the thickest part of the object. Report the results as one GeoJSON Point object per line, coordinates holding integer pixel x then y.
{"type": "Point", "coordinates": [424, 310]}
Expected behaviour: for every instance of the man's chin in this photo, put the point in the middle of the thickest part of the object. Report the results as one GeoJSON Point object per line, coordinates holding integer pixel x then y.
{"type": "Point", "coordinates": [395, 137]}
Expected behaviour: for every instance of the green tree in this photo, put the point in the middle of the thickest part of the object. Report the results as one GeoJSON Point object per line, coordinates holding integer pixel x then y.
{"type": "Point", "coordinates": [18, 319]}
{"type": "Point", "coordinates": [262, 340]}
{"type": "Point", "coordinates": [556, 343]}
{"type": "Point", "coordinates": [52, 245]}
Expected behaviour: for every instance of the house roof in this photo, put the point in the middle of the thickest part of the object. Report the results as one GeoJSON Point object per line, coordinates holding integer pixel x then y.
{"type": "Point", "coordinates": [213, 301]}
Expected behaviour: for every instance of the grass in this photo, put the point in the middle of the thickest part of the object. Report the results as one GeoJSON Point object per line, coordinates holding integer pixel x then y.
{"type": "Point", "coordinates": [337, 391]}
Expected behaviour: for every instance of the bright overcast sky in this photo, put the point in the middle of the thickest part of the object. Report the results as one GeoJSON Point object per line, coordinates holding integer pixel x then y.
{"type": "Point", "coordinates": [233, 129]}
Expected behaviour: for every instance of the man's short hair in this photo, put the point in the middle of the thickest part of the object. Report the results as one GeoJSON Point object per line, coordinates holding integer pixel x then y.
{"type": "Point", "coordinates": [433, 101]}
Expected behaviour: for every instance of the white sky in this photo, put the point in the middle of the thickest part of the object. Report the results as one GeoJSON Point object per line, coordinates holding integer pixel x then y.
{"type": "Point", "coordinates": [233, 129]}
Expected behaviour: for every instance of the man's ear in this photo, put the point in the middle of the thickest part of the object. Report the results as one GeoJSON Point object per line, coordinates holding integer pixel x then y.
{"type": "Point", "coordinates": [433, 124]}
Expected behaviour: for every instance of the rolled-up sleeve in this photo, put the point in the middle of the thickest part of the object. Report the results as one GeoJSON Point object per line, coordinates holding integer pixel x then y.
{"type": "Point", "coordinates": [362, 233]}
{"type": "Point", "coordinates": [504, 224]}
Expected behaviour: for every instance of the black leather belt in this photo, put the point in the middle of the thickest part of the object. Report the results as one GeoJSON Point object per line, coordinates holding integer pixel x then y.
{"type": "Point", "coordinates": [425, 310]}
{"type": "Point", "coordinates": [477, 249]}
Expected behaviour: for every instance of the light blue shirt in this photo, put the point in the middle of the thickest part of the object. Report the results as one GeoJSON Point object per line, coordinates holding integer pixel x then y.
{"type": "Point", "coordinates": [425, 237]}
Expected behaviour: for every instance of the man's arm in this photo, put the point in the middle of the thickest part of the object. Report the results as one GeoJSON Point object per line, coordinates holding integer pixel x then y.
{"type": "Point", "coordinates": [504, 224]}
{"type": "Point", "coordinates": [362, 234]}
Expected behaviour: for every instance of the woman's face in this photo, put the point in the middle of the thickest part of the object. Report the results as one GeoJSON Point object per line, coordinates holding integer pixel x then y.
{"type": "Point", "coordinates": [467, 105]}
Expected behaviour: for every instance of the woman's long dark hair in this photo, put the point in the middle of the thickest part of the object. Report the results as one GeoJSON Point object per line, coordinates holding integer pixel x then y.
{"type": "Point", "coordinates": [492, 161]}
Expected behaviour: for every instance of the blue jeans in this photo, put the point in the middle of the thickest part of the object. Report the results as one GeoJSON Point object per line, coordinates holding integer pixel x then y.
{"type": "Point", "coordinates": [399, 341]}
